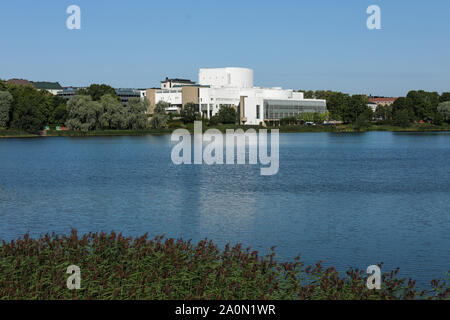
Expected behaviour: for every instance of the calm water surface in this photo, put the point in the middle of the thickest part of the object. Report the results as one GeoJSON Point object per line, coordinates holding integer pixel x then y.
{"type": "Point", "coordinates": [347, 199]}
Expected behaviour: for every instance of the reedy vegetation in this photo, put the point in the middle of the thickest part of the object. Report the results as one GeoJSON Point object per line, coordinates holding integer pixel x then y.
{"type": "Point", "coordinates": [118, 267]}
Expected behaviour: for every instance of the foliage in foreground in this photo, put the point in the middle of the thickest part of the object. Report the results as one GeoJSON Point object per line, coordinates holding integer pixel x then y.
{"type": "Point", "coordinates": [115, 267]}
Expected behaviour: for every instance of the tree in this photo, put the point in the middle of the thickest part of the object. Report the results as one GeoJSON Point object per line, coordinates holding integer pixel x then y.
{"type": "Point", "coordinates": [424, 104]}
{"type": "Point", "coordinates": [60, 115]}
{"type": "Point", "coordinates": [6, 100]}
{"type": "Point", "coordinates": [402, 111]}
{"type": "Point", "coordinates": [336, 102]}
{"type": "Point", "coordinates": [159, 118]}
{"type": "Point", "coordinates": [307, 116]}
{"type": "Point", "coordinates": [83, 113]}
{"type": "Point", "coordinates": [113, 115]}
{"type": "Point", "coordinates": [97, 91]}
{"type": "Point", "coordinates": [28, 108]}
{"type": "Point", "coordinates": [402, 118]}
{"type": "Point", "coordinates": [136, 113]}
{"type": "Point", "coordinates": [307, 94]}
{"type": "Point", "coordinates": [226, 115]}
{"type": "Point", "coordinates": [188, 113]}
{"type": "Point", "coordinates": [356, 106]}
{"type": "Point", "coordinates": [363, 118]}
{"type": "Point", "coordinates": [445, 96]}
{"type": "Point", "coordinates": [444, 110]}
{"type": "Point", "coordinates": [383, 112]}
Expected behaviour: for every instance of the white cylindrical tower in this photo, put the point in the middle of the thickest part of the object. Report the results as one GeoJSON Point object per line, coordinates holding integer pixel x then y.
{"type": "Point", "coordinates": [226, 77]}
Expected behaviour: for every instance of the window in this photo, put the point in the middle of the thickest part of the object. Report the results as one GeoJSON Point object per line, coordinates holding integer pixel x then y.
{"type": "Point", "coordinates": [257, 111]}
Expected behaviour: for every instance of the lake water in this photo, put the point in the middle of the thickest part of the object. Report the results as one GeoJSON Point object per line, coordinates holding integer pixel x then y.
{"type": "Point", "coordinates": [348, 199]}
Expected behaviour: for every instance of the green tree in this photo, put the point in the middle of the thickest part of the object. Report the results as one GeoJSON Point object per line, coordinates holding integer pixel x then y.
{"type": "Point", "coordinates": [6, 100]}
{"type": "Point", "coordinates": [383, 112]}
{"type": "Point", "coordinates": [60, 115]}
{"type": "Point", "coordinates": [307, 116]}
{"type": "Point", "coordinates": [113, 115]}
{"type": "Point", "coordinates": [227, 115]}
{"type": "Point", "coordinates": [402, 118]}
{"type": "Point", "coordinates": [97, 91]}
{"type": "Point", "coordinates": [159, 118]}
{"type": "Point", "coordinates": [402, 111]}
{"type": "Point", "coordinates": [356, 106]}
{"type": "Point", "coordinates": [444, 109]}
{"type": "Point", "coordinates": [424, 104]}
{"type": "Point", "coordinates": [363, 118]}
{"type": "Point", "coordinates": [136, 113]}
{"type": "Point", "coordinates": [336, 102]}
{"type": "Point", "coordinates": [188, 114]}
{"type": "Point", "coordinates": [445, 96]}
{"type": "Point", "coordinates": [83, 113]}
{"type": "Point", "coordinates": [307, 94]}
{"type": "Point", "coordinates": [28, 108]}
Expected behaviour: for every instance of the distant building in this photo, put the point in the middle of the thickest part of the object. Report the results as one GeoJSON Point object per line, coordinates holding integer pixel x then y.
{"type": "Point", "coordinates": [383, 101]}
{"type": "Point", "coordinates": [170, 83]}
{"type": "Point", "coordinates": [68, 92]}
{"type": "Point", "coordinates": [127, 94]}
{"type": "Point", "coordinates": [123, 93]}
{"type": "Point", "coordinates": [52, 87]}
{"type": "Point", "coordinates": [176, 92]}
{"type": "Point", "coordinates": [234, 87]}
{"type": "Point", "coordinates": [373, 106]}
{"type": "Point", "coordinates": [219, 87]}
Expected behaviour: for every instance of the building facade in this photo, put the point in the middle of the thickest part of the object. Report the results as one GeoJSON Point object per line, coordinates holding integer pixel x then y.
{"type": "Point", "coordinates": [176, 92]}
{"type": "Point", "coordinates": [255, 105]}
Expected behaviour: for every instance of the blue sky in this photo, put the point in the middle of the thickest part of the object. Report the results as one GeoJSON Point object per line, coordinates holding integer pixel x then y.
{"type": "Point", "coordinates": [320, 44]}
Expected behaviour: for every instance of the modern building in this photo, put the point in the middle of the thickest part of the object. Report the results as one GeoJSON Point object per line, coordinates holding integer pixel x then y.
{"type": "Point", "coordinates": [219, 87]}
{"type": "Point", "coordinates": [68, 92]}
{"type": "Point", "coordinates": [234, 87]}
{"type": "Point", "coordinates": [123, 93]}
{"type": "Point", "coordinates": [127, 94]}
{"type": "Point", "coordinates": [176, 92]}
{"type": "Point", "coordinates": [170, 83]}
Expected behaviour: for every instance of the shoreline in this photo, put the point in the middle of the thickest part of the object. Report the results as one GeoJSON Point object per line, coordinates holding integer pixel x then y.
{"type": "Point", "coordinates": [5, 134]}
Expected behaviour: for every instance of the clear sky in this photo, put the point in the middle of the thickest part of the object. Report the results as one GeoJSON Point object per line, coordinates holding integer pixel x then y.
{"type": "Point", "coordinates": [314, 44]}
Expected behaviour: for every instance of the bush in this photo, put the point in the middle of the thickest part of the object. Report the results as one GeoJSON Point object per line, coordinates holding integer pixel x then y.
{"type": "Point", "coordinates": [116, 267]}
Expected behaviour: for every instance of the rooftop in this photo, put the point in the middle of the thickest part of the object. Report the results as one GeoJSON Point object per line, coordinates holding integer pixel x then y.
{"type": "Point", "coordinates": [382, 99]}
{"type": "Point", "coordinates": [178, 80]}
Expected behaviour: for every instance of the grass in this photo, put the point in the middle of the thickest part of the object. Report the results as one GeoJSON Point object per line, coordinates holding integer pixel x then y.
{"type": "Point", "coordinates": [116, 267]}
{"type": "Point", "coordinates": [13, 133]}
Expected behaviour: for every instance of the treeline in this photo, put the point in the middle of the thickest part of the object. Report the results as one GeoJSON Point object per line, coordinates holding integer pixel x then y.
{"type": "Point", "coordinates": [28, 109]}
{"type": "Point", "coordinates": [417, 106]}
{"type": "Point", "coordinates": [108, 113]}
{"type": "Point", "coordinates": [98, 107]}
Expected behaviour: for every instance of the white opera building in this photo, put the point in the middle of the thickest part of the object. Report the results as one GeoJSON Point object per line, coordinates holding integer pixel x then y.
{"type": "Point", "coordinates": [234, 87]}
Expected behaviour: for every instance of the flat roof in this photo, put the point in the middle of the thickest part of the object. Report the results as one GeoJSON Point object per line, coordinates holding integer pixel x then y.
{"type": "Point", "coordinates": [177, 80]}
